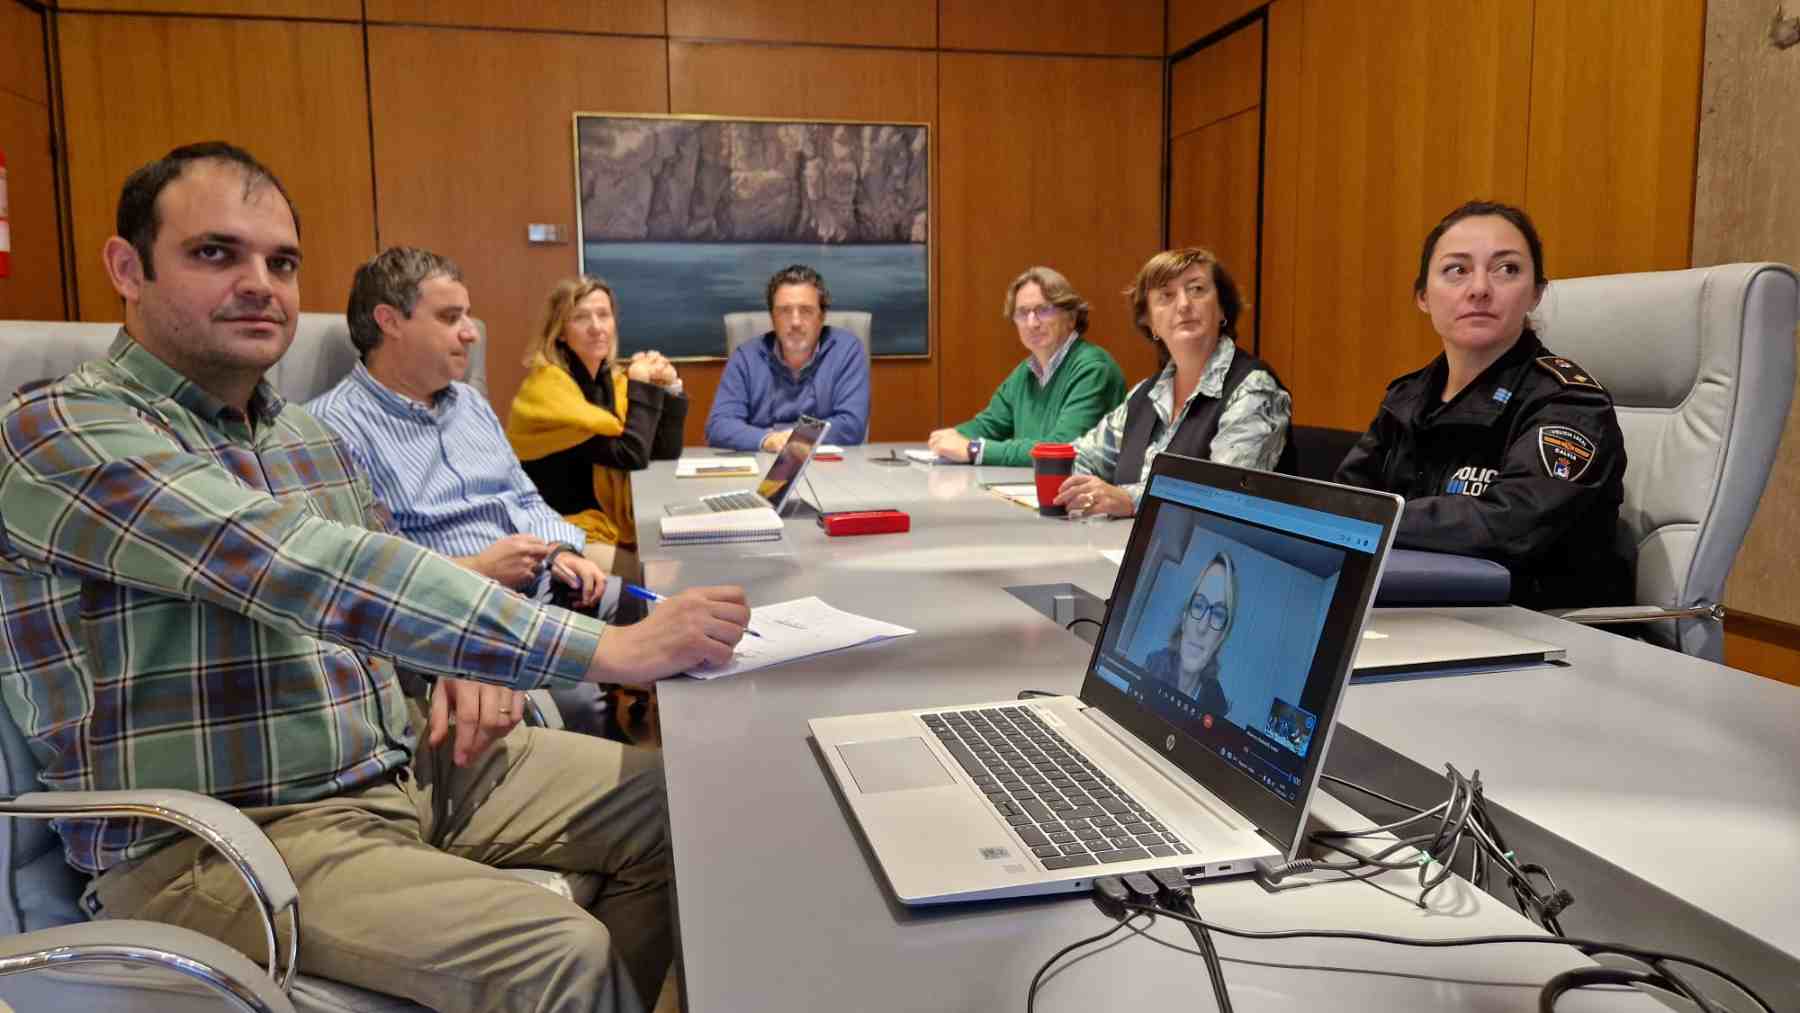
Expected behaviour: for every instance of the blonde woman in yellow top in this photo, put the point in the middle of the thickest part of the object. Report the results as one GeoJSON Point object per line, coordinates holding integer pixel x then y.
{"type": "Point", "coordinates": [583, 421]}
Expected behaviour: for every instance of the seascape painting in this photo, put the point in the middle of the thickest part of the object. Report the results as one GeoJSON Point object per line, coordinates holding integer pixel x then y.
{"type": "Point", "coordinates": [687, 218]}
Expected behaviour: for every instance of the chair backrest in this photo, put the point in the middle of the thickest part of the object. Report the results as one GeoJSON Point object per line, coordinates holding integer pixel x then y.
{"type": "Point", "coordinates": [38, 890]}
{"type": "Point", "coordinates": [1700, 364]}
{"type": "Point", "coordinates": [320, 356]}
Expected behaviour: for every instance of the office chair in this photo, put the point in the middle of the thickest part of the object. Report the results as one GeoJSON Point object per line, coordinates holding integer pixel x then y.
{"type": "Point", "coordinates": [1700, 364]}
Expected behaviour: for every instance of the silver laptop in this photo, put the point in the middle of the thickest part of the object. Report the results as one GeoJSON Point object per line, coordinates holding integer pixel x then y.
{"type": "Point", "coordinates": [1201, 728]}
{"type": "Point", "coordinates": [777, 486]}
{"type": "Point", "coordinates": [1404, 641]}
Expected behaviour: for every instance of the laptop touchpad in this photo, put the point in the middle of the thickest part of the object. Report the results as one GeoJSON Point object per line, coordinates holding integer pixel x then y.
{"type": "Point", "coordinates": [893, 765]}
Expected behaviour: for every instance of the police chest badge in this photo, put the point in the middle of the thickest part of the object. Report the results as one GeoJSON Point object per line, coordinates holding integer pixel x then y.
{"type": "Point", "coordinates": [1566, 453]}
{"type": "Point", "coordinates": [1470, 480]}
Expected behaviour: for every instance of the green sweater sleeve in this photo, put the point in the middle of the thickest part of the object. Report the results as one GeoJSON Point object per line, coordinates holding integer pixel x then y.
{"type": "Point", "coordinates": [1084, 388]}
{"type": "Point", "coordinates": [995, 422]}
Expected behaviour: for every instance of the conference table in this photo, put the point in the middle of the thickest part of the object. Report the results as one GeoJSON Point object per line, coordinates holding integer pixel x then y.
{"type": "Point", "coordinates": [781, 905]}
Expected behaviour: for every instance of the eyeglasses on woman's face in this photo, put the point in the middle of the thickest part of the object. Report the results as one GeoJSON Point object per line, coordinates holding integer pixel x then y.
{"type": "Point", "coordinates": [1215, 614]}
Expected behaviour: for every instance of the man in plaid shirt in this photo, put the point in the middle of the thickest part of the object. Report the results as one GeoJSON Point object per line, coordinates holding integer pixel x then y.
{"type": "Point", "coordinates": [199, 591]}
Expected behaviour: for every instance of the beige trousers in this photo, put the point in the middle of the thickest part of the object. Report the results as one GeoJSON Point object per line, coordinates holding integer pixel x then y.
{"type": "Point", "coordinates": [615, 560]}
{"type": "Point", "coordinates": [401, 889]}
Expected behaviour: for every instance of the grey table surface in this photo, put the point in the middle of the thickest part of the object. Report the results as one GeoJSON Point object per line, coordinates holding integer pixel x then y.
{"type": "Point", "coordinates": [781, 905]}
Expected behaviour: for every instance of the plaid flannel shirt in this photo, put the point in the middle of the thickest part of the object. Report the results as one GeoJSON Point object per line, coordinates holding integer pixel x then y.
{"type": "Point", "coordinates": [190, 598]}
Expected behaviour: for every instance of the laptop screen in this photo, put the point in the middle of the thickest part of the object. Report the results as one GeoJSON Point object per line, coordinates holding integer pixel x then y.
{"type": "Point", "coordinates": [1233, 624]}
{"type": "Point", "coordinates": [802, 440]}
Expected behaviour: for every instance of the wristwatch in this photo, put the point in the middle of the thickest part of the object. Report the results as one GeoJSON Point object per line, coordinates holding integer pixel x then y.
{"type": "Point", "coordinates": [556, 550]}
{"type": "Point", "coordinates": [975, 450]}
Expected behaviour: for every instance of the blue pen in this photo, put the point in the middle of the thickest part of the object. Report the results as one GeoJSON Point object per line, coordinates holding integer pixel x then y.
{"type": "Point", "coordinates": [646, 594]}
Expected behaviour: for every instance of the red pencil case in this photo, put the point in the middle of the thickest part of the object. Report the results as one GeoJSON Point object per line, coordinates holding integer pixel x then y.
{"type": "Point", "coordinates": [865, 522]}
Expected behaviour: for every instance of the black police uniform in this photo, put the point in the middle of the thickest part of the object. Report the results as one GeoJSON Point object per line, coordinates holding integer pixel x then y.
{"type": "Point", "coordinates": [1525, 466]}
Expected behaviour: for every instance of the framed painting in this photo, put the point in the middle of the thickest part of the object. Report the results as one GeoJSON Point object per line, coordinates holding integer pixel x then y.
{"type": "Point", "coordinates": [687, 218]}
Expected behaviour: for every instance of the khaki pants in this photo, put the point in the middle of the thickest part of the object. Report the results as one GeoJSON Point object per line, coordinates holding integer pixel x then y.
{"type": "Point", "coordinates": [400, 888]}
{"type": "Point", "coordinates": [616, 560]}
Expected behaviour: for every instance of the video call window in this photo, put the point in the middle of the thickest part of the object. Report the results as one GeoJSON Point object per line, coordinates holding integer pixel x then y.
{"type": "Point", "coordinates": [1219, 633]}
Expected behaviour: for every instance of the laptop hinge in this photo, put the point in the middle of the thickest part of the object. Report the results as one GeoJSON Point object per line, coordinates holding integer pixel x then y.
{"type": "Point", "coordinates": [1174, 775]}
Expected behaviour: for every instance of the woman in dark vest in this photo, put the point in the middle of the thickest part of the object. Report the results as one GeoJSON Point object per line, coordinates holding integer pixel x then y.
{"type": "Point", "coordinates": [1211, 400]}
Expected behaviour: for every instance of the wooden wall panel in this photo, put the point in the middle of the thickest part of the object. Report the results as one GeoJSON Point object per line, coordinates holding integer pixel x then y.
{"type": "Point", "coordinates": [731, 79]}
{"type": "Point", "coordinates": [1282, 141]}
{"type": "Point", "coordinates": [1190, 20]}
{"type": "Point", "coordinates": [1404, 117]}
{"type": "Point", "coordinates": [350, 10]}
{"type": "Point", "coordinates": [287, 91]}
{"type": "Point", "coordinates": [638, 17]}
{"type": "Point", "coordinates": [22, 53]}
{"type": "Point", "coordinates": [469, 151]}
{"type": "Point", "coordinates": [1615, 93]}
{"type": "Point", "coordinates": [1747, 208]}
{"type": "Point", "coordinates": [727, 79]}
{"type": "Point", "coordinates": [1763, 646]}
{"type": "Point", "coordinates": [1212, 201]}
{"type": "Point", "coordinates": [1222, 80]}
{"type": "Point", "coordinates": [890, 23]}
{"type": "Point", "coordinates": [1087, 202]}
{"type": "Point", "coordinates": [1133, 27]}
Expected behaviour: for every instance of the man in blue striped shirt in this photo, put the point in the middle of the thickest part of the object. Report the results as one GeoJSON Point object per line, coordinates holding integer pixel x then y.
{"type": "Point", "coordinates": [431, 445]}
{"type": "Point", "coordinates": [437, 455]}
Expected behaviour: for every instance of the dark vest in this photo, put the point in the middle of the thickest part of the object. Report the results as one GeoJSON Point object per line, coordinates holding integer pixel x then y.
{"type": "Point", "coordinates": [1194, 438]}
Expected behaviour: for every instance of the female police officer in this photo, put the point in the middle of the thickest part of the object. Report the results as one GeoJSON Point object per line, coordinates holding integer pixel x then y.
{"type": "Point", "coordinates": [1501, 448]}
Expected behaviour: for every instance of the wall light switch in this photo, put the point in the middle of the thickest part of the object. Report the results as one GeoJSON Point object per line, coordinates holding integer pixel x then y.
{"type": "Point", "coordinates": [537, 232]}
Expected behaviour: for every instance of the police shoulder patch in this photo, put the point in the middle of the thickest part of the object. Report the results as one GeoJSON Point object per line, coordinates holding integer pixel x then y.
{"type": "Point", "coordinates": [1565, 451]}
{"type": "Point", "coordinates": [1568, 373]}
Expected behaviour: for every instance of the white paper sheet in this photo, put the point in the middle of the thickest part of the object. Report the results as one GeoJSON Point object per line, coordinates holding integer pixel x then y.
{"type": "Point", "coordinates": [708, 467]}
{"type": "Point", "coordinates": [925, 457]}
{"type": "Point", "coordinates": [801, 628]}
{"type": "Point", "coordinates": [1023, 493]}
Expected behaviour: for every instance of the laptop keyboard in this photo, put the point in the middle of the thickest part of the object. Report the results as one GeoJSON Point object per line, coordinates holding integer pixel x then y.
{"type": "Point", "coordinates": [1062, 806]}
{"type": "Point", "coordinates": [733, 501]}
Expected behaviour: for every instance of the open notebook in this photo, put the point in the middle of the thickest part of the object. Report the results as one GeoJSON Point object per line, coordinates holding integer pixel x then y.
{"type": "Point", "coordinates": [760, 524]}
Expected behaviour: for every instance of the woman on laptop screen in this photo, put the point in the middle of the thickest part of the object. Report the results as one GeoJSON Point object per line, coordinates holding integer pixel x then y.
{"type": "Point", "coordinates": [1210, 400]}
{"type": "Point", "coordinates": [1502, 448]}
{"type": "Point", "coordinates": [1190, 662]}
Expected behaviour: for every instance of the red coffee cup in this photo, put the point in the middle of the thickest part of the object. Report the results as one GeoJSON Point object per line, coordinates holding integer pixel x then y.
{"type": "Point", "coordinates": [1052, 464]}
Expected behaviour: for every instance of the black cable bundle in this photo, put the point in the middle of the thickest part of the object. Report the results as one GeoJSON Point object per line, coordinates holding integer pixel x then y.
{"type": "Point", "coordinates": [1463, 830]}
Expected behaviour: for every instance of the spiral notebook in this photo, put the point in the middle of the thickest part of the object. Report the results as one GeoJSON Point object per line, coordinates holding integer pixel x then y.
{"type": "Point", "coordinates": [758, 524]}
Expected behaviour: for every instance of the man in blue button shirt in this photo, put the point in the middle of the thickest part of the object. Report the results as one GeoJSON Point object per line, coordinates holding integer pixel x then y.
{"type": "Point", "coordinates": [436, 455]}
{"type": "Point", "coordinates": [802, 367]}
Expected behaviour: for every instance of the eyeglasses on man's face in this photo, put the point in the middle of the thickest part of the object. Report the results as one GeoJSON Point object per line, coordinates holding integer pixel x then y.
{"type": "Point", "coordinates": [1045, 311]}
{"type": "Point", "coordinates": [1215, 614]}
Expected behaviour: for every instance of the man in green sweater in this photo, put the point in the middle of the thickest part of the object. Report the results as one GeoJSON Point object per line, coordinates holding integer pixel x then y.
{"type": "Point", "coordinates": [1061, 389]}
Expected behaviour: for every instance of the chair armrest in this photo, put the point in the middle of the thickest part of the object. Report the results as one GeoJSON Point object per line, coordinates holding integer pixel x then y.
{"type": "Point", "coordinates": [541, 710]}
{"type": "Point", "coordinates": [219, 824]}
{"type": "Point", "coordinates": [1414, 577]}
{"type": "Point", "coordinates": [234, 977]}
{"type": "Point", "coordinates": [1610, 615]}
